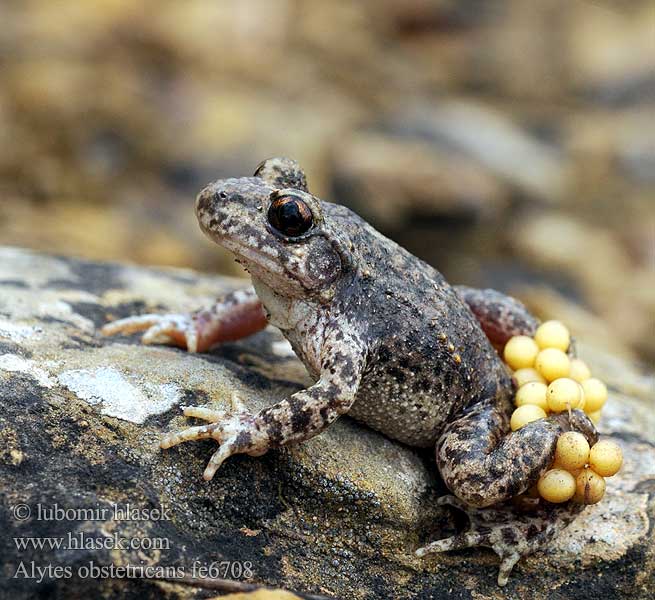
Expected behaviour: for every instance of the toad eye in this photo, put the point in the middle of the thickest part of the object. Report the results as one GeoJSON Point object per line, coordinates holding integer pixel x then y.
{"type": "Point", "coordinates": [290, 216]}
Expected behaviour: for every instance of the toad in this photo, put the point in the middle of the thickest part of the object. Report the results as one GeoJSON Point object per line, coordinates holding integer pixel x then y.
{"type": "Point", "coordinates": [387, 341]}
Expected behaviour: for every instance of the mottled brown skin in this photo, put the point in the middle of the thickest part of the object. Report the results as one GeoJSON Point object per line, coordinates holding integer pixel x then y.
{"type": "Point", "coordinates": [387, 340]}
{"type": "Point", "coordinates": [501, 317]}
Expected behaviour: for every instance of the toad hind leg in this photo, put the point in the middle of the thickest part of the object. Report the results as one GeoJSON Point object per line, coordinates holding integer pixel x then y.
{"type": "Point", "coordinates": [484, 464]}
{"type": "Point", "coordinates": [499, 315]}
{"type": "Point", "coordinates": [509, 531]}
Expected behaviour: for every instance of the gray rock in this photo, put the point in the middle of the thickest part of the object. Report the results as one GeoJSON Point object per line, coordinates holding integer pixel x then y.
{"type": "Point", "coordinates": [490, 137]}
{"type": "Point", "coordinates": [409, 177]}
{"type": "Point", "coordinates": [338, 516]}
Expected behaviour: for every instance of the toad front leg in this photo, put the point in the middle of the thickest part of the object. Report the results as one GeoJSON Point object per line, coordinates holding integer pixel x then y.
{"type": "Point", "coordinates": [237, 315]}
{"type": "Point", "coordinates": [295, 419]}
{"type": "Point", "coordinates": [484, 464]}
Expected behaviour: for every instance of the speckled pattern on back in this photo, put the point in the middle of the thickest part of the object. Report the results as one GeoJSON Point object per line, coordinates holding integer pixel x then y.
{"type": "Point", "coordinates": [427, 357]}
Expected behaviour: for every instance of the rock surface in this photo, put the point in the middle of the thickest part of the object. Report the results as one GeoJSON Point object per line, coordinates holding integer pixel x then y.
{"type": "Point", "coordinates": [338, 516]}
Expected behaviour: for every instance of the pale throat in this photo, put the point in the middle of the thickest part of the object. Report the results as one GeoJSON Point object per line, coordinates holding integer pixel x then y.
{"type": "Point", "coordinates": [285, 312]}
{"type": "Point", "coordinates": [295, 318]}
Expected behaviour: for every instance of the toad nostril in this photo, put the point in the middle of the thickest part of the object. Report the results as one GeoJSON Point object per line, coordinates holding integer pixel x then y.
{"type": "Point", "coordinates": [222, 195]}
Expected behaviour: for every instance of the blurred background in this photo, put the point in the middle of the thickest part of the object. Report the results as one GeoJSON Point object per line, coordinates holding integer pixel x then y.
{"type": "Point", "coordinates": [509, 143]}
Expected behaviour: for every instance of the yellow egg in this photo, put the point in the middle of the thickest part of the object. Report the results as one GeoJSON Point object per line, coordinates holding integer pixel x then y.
{"type": "Point", "coordinates": [572, 451]}
{"type": "Point", "coordinates": [595, 394]}
{"type": "Point", "coordinates": [563, 393]}
{"type": "Point", "coordinates": [589, 487]}
{"type": "Point", "coordinates": [553, 334]}
{"type": "Point", "coordinates": [552, 364]}
{"type": "Point", "coordinates": [579, 370]}
{"type": "Point", "coordinates": [583, 401]}
{"type": "Point", "coordinates": [574, 472]}
{"type": "Point", "coordinates": [526, 375]}
{"type": "Point", "coordinates": [606, 458]}
{"type": "Point", "coordinates": [532, 392]}
{"type": "Point", "coordinates": [526, 414]}
{"type": "Point", "coordinates": [556, 485]}
{"type": "Point", "coordinates": [520, 352]}
{"type": "Point", "coordinates": [594, 417]}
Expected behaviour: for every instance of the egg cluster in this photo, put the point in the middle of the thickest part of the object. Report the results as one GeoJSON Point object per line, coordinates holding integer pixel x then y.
{"type": "Point", "coordinates": [548, 381]}
{"type": "Point", "coordinates": [578, 471]}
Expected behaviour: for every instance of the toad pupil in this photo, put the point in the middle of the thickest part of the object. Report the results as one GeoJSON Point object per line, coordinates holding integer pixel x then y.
{"type": "Point", "coordinates": [290, 216]}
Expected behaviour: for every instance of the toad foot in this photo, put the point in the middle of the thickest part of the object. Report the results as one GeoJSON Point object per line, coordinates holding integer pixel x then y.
{"type": "Point", "coordinates": [510, 532]}
{"type": "Point", "coordinates": [235, 430]}
{"type": "Point", "coordinates": [177, 329]}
